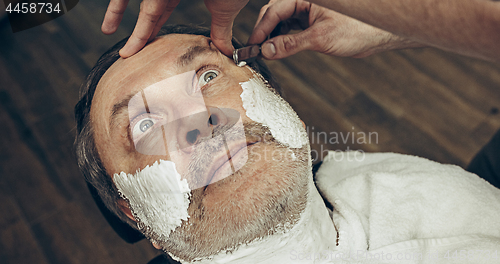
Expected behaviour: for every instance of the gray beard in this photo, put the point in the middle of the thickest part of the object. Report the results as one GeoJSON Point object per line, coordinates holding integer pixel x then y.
{"type": "Point", "coordinates": [212, 230]}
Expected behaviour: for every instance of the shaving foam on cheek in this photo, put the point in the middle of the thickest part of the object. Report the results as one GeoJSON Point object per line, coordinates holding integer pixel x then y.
{"type": "Point", "coordinates": [269, 109]}
{"type": "Point", "coordinates": [157, 196]}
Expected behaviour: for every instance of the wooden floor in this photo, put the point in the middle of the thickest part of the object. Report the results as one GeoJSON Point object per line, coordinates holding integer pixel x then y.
{"type": "Point", "coordinates": [423, 102]}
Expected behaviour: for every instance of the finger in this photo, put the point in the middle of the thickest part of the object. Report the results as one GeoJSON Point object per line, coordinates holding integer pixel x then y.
{"type": "Point", "coordinates": [113, 16]}
{"type": "Point", "coordinates": [151, 11]}
{"type": "Point", "coordinates": [262, 11]}
{"type": "Point", "coordinates": [221, 32]}
{"type": "Point", "coordinates": [286, 45]}
{"type": "Point", "coordinates": [163, 19]}
{"type": "Point", "coordinates": [223, 15]}
{"type": "Point", "coordinates": [270, 19]}
{"type": "Point", "coordinates": [158, 26]}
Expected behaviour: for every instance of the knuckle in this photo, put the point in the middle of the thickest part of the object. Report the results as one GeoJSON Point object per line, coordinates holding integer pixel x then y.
{"type": "Point", "coordinates": [289, 44]}
{"type": "Point", "coordinates": [141, 38]}
{"type": "Point", "coordinates": [151, 11]}
{"type": "Point", "coordinates": [260, 34]}
{"type": "Point", "coordinates": [116, 11]}
{"type": "Point", "coordinates": [222, 21]}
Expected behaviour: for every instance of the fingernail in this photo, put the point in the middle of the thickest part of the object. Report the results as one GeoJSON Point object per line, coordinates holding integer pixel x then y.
{"type": "Point", "coordinates": [268, 50]}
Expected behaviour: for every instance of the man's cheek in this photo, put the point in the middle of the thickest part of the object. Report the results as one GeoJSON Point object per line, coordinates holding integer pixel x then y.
{"type": "Point", "coordinates": [157, 197]}
{"type": "Point", "coordinates": [267, 108]}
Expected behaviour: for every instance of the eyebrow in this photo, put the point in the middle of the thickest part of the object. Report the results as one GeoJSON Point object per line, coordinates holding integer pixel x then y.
{"type": "Point", "coordinates": [119, 108]}
{"type": "Point", "coordinates": [191, 54]}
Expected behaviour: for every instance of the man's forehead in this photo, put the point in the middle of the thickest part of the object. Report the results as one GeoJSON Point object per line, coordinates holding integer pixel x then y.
{"type": "Point", "coordinates": [156, 59]}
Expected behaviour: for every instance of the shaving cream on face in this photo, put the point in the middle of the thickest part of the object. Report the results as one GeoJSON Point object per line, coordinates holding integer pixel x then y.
{"type": "Point", "coordinates": [158, 198]}
{"type": "Point", "coordinates": [266, 107]}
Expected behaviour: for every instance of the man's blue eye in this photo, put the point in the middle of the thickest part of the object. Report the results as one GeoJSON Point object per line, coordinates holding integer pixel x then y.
{"type": "Point", "coordinates": [141, 127]}
{"type": "Point", "coordinates": [146, 124]}
{"type": "Point", "coordinates": [207, 76]}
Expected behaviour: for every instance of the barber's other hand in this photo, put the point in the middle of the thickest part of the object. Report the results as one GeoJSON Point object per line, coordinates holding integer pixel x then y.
{"type": "Point", "coordinates": [324, 30]}
{"type": "Point", "coordinates": [153, 14]}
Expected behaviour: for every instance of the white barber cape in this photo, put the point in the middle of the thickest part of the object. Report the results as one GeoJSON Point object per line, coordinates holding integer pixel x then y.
{"type": "Point", "coordinates": [393, 208]}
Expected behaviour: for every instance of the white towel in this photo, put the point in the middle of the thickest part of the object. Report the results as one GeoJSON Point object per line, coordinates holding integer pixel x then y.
{"type": "Point", "coordinates": [393, 203]}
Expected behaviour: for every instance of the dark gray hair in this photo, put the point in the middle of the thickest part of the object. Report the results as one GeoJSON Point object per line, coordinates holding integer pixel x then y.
{"type": "Point", "coordinates": [86, 152]}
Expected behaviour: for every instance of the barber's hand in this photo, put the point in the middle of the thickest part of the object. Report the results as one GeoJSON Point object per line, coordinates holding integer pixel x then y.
{"type": "Point", "coordinates": [223, 14]}
{"type": "Point", "coordinates": [153, 14]}
{"type": "Point", "coordinates": [324, 30]}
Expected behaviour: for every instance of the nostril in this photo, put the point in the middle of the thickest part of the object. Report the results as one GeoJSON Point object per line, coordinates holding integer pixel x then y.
{"type": "Point", "coordinates": [192, 136]}
{"type": "Point", "coordinates": [213, 120]}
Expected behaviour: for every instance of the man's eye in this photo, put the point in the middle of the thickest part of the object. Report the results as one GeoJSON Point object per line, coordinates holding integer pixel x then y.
{"type": "Point", "coordinates": [146, 124]}
{"type": "Point", "coordinates": [142, 126]}
{"type": "Point", "coordinates": [207, 76]}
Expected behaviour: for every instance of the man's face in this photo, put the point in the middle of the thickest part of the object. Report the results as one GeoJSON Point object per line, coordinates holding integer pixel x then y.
{"type": "Point", "coordinates": [265, 192]}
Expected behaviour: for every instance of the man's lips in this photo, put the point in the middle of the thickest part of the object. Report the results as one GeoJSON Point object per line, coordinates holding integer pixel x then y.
{"type": "Point", "coordinates": [226, 156]}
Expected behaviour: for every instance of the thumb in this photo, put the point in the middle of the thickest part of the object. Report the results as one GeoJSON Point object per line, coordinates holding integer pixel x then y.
{"type": "Point", "coordinates": [286, 45]}
{"type": "Point", "coordinates": [221, 37]}
{"type": "Point", "coordinates": [221, 32]}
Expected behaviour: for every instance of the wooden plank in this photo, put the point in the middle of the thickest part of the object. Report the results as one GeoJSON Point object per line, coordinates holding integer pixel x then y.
{"type": "Point", "coordinates": [117, 249]}
{"type": "Point", "coordinates": [26, 174]}
{"type": "Point", "coordinates": [23, 112]}
{"type": "Point", "coordinates": [478, 87]}
{"type": "Point", "coordinates": [62, 238]}
{"type": "Point", "coordinates": [17, 243]}
{"type": "Point", "coordinates": [419, 98]}
{"type": "Point", "coordinates": [393, 133]}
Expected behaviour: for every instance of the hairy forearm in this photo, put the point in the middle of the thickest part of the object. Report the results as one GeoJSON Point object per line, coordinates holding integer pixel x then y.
{"type": "Point", "coordinates": [468, 27]}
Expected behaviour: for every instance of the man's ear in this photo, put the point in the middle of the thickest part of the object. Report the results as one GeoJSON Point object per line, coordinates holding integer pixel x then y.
{"type": "Point", "coordinates": [125, 209]}
{"type": "Point", "coordinates": [303, 124]}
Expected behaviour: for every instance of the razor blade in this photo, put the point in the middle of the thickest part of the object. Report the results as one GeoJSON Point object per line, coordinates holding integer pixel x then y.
{"type": "Point", "coordinates": [253, 52]}
{"type": "Point", "coordinates": [247, 54]}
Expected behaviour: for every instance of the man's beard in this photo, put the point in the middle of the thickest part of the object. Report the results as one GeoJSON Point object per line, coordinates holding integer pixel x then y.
{"type": "Point", "coordinates": [253, 212]}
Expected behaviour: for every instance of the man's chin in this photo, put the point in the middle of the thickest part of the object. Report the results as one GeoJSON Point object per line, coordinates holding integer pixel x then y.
{"type": "Point", "coordinates": [261, 179]}
{"type": "Point", "coordinates": [247, 205]}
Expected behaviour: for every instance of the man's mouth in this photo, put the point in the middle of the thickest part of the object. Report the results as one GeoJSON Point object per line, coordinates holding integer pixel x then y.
{"type": "Point", "coordinates": [227, 161]}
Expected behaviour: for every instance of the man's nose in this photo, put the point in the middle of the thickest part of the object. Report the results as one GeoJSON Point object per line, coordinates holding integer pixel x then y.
{"type": "Point", "coordinates": [202, 126]}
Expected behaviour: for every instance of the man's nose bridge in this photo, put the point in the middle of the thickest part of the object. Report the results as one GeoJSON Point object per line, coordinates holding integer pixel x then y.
{"type": "Point", "coordinates": [186, 105]}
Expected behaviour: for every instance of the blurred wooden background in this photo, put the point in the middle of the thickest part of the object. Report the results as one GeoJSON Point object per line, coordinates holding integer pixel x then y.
{"type": "Point", "coordinates": [423, 102]}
